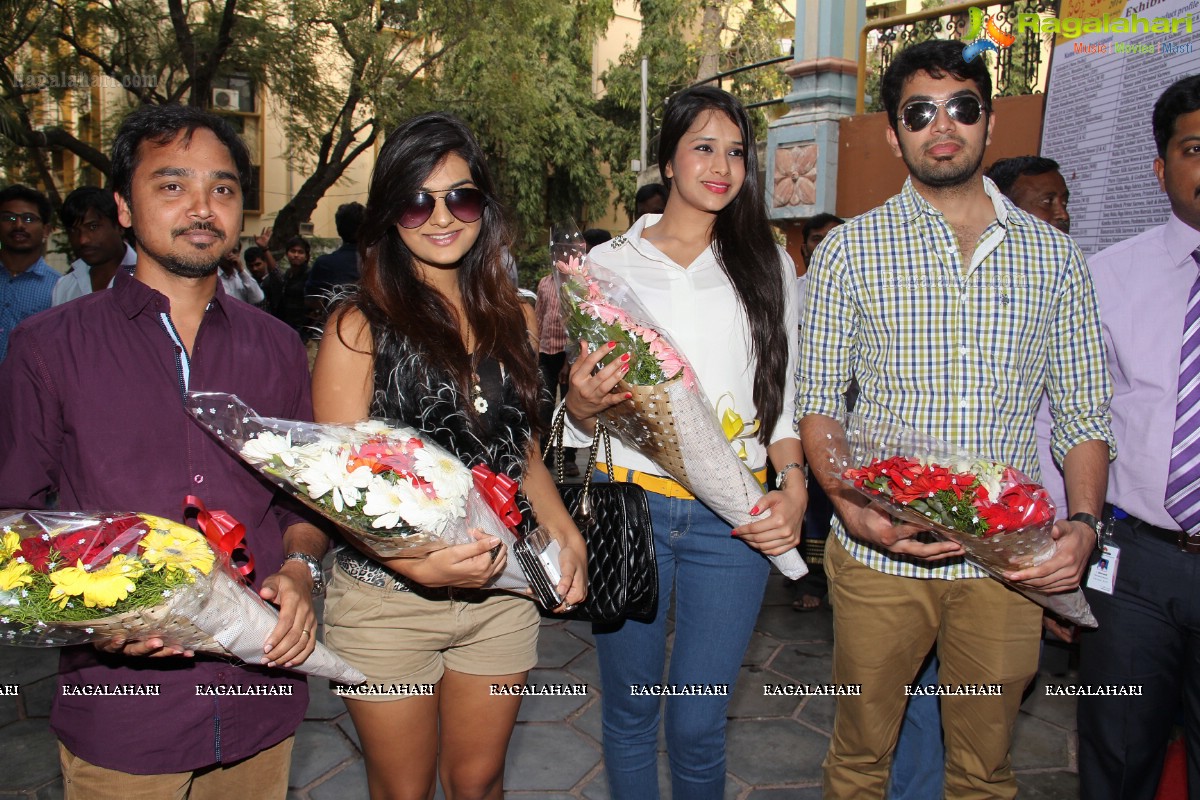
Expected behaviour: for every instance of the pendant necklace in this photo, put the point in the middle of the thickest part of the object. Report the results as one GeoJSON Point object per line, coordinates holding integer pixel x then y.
{"type": "Point", "coordinates": [477, 399]}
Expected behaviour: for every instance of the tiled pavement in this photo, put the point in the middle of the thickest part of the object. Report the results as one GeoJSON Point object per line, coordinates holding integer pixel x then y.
{"type": "Point", "coordinates": [775, 744]}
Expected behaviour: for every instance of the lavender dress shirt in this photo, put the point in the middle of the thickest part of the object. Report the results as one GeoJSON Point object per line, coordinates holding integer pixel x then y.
{"type": "Point", "coordinates": [93, 408]}
{"type": "Point", "coordinates": [1143, 285]}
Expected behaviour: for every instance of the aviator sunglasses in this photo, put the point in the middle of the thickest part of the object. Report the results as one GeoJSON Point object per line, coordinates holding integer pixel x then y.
{"type": "Point", "coordinates": [964, 108]}
{"type": "Point", "coordinates": [466, 204]}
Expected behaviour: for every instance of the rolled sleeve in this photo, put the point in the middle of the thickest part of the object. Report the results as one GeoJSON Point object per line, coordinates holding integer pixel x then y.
{"type": "Point", "coordinates": [825, 359]}
{"type": "Point", "coordinates": [1077, 379]}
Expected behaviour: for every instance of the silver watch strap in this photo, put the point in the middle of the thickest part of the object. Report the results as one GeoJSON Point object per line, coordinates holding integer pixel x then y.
{"type": "Point", "coordinates": [314, 569]}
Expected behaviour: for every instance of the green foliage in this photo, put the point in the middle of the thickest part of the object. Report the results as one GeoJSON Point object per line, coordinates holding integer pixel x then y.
{"type": "Point", "coordinates": [674, 61]}
{"type": "Point", "coordinates": [644, 368]}
{"type": "Point", "coordinates": [34, 604]}
{"type": "Point", "coordinates": [523, 83]}
{"type": "Point", "coordinates": [946, 507]}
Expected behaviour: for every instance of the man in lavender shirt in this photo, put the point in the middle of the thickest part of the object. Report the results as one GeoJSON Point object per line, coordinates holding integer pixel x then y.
{"type": "Point", "coordinates": [1149, 634]}
{"type": "Point", "coordinates": [215, 729]}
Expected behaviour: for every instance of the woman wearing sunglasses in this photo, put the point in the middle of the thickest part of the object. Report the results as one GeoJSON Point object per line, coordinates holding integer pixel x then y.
{"type": "Point", "coordinates": [436, 338]}
{"type": "Point", "coordinates": [710, 272]}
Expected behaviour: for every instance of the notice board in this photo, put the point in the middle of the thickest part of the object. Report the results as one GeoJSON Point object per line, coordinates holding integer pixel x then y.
{"type": "Point", "coordinates": [1099, 97]}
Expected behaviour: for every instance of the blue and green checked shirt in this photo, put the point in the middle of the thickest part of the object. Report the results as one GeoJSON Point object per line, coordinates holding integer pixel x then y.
{"type": "Point", "coordinates": [960, 351]}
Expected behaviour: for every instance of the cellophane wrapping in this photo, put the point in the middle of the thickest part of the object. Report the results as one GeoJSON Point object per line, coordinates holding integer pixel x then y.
{"type": "Point", "coordinates": [387, 486]}
{"type": "Point", "coordinates": [69, 577]}
{"type": "Point", "coordinates": [1000, 517]}
{"type": "Point", "coordinates": [669, 420]}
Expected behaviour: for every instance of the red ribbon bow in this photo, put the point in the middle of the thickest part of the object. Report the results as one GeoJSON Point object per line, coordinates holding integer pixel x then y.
{"type": "Point", "coordinates": [224, 533]}
{"type": "Point", "coordinates": [499, 492]}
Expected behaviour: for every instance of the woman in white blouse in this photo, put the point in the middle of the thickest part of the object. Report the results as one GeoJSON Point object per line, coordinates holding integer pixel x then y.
{"type": "Point", "coordinates": [710, 272]}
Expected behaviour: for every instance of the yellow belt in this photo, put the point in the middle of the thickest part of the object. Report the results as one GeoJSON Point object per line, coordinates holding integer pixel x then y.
{"type": "Point", "coordinates": [657, 483]}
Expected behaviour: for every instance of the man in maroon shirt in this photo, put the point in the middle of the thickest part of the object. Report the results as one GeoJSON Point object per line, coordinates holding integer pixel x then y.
{"type": "Point", "coordinates": [214, 729]}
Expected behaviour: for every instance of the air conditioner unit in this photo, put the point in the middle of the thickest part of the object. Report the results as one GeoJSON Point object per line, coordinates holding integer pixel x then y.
{"type": "Point", "coordinates": [225, 100]}
{"type": "Point", "coordinates": [306, 229]}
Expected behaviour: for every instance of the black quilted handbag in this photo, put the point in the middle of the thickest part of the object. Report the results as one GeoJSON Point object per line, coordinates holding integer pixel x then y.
{"type": "Point", "coordinates": [614, 519]}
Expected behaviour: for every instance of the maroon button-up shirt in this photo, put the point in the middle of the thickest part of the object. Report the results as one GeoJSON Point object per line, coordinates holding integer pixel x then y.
{"type": "Point", "coordinates": [92, 406]}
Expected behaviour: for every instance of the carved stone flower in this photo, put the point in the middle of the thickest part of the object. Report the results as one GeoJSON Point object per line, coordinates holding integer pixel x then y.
{"type": "Point", "coordinates": [796, 175]}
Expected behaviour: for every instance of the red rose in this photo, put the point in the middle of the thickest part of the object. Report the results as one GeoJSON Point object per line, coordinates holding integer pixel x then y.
{"type": "Point", "coordinates": [1021, 505]}
{"type": "Point", "coordinates": [94, 546]}
{"type": "Point", "coordinates": [36, 551]}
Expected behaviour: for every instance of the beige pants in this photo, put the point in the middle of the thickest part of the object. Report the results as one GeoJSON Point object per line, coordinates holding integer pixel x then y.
{"type": "Point", "coordinates": [263, 777]}
{"type": "Point", "coordinates": [884, 626]}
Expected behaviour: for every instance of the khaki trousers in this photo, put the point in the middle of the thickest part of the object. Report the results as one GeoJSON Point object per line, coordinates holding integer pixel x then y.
{"type": "Point", "coordinates": [884, 625]}
{"type": "Point", "coordinates": [263, 776]}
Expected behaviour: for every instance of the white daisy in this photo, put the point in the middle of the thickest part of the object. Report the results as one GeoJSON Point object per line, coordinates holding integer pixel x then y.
{"type": "Point", "coordinates": [449, 477]}
{"type": "Point", "coordinates": [393, 503]}
{"type": "Point", "coordinates": [328, 475]}
{"type": "Point", "coordinates": [266, 447]}
{"type": "Point", "coordinates": [386, 500]}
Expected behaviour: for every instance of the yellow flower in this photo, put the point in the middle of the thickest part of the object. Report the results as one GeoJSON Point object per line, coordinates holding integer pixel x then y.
{"type": "Point", "coordinates": [104, 587]}
{"type": "Point", "coordinates": [15, 574]}
{"type": "Point", "coordinates": [9, 544]}
{"type": "Point", "coordinates": [177, 549]}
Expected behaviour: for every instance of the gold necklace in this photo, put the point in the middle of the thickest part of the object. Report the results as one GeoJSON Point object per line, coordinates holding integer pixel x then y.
{"type": "Point", "coordinates": [477, 399]}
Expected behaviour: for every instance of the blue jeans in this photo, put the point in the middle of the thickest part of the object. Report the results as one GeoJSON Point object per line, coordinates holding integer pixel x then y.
{"type": "Point", "coordinates": [718, 584]}
{"type": "Point", "coordinates": [918, 764]}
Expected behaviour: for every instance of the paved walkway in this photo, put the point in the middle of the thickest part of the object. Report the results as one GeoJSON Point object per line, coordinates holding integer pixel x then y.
{"type": "Point", "coordinates": [775, 744]}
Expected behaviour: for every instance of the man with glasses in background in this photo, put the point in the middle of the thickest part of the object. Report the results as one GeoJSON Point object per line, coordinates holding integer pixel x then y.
{"type": "Point", "coordinates": [27, 283]}
{"type": "Point", "coordinates": [954, 311]}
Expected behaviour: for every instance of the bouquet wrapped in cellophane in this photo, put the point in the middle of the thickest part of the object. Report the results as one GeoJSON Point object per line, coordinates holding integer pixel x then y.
{"type": "Point", "coordinates": [384, 484]}
{"type": "Point", "coordinates": [668, 418]}
{"type": "Point", "coordinates": [70, 577]}
{"type": "Point", "coordinates": [1000, 517]}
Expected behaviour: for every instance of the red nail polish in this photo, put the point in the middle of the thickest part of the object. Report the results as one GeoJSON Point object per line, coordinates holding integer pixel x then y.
{"type": "Point", "coordinates": [629, 395]}
{"type": "Point", "coordinates": [733, 533]}
{"type": "Point", "coordinates": [625, 357]}
{"type": "Point", "coordinates": [624, 368]}
{"type": "Point", "coordinates": [754, 510]}
{"type": "Point", "coordinates": [611, 345]}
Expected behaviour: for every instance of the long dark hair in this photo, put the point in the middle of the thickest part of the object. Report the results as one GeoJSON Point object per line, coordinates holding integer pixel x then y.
{"type": "Point", "coordinates": [744, 247]}
{"type": "Point", "coordinates": [391, 293]}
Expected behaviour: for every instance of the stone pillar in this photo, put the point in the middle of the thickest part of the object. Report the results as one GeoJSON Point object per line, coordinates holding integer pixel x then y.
{"type": "Point", "coordinates": [802, 145]}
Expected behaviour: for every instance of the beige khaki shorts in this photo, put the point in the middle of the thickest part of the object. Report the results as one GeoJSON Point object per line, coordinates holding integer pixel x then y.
{"type": "Point", "coordinates": [398, 637]}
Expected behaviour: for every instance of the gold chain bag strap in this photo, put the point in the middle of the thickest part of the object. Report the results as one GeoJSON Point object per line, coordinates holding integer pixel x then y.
{"type": "Point", "coordinates": [614, 519]}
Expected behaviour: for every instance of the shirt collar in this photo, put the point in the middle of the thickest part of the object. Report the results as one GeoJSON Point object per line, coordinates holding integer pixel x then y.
{"type": "Point", "coordinates": [911, 204]}
{"type": "Point", "coordinates": [634, 238]}
{"type": "Point", "coordinates": [1180, 239]}
{"type": "Point", "coordinates": [133, 296]}
{"type": "Point", "coordinates": [41, 269]}
{"type": "Point", "coordinates": [129, 260]}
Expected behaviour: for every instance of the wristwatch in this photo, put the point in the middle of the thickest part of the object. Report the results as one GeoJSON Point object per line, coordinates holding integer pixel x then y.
{"type": "Point", "coordinates": [781, 478]}
{"type": "Point", "coordinates": [314, 569]}
{"type": "Point", "coordinates": [1089, 520]}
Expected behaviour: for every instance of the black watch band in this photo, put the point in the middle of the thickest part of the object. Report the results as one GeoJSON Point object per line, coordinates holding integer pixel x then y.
{"type": "Point", "coordinates": [1087, 519]}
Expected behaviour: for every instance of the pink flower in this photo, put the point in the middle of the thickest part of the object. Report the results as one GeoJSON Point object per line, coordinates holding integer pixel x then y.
{"type": "Point", "coordinates": [572, 266]}
{"type": "Point", "coordinates": [593, 291]}
{"type": "Point", "coordinates": [601, 311]}
{"type": "Point", "coordinates": [646, 334]}
{"type": "Point", "coordinates": [670, 366]}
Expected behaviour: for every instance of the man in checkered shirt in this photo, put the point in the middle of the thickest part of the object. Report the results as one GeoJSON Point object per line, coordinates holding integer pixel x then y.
{"type": "Point", "coordinates": [955, 310]}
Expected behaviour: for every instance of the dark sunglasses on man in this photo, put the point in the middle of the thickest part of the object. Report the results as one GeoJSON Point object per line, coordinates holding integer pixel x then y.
{"type": "Point", "coordinates": [465, 203]}
{"type": "Point", "coordinates": [964, 109]}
